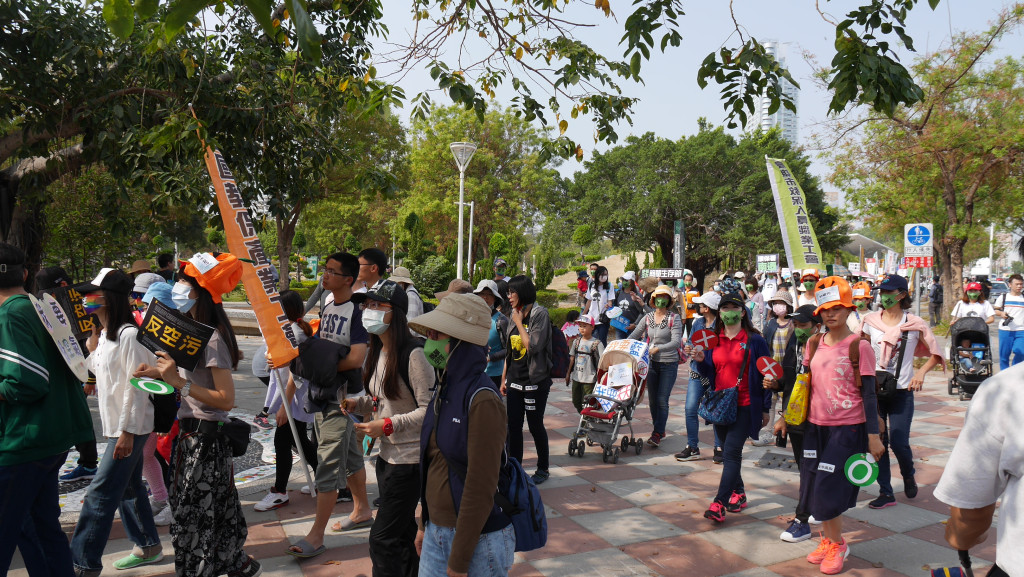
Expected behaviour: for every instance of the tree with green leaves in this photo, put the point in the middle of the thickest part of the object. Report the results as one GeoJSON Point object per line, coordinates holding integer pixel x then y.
{"type": "Point", "coordinates": [530, 43]}
{"type": "Point", "coordinates": [717, 185]}
{"type": "Point", "coordinates": [954, 159]}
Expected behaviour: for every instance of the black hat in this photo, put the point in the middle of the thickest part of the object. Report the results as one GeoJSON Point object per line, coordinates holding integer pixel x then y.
{"type": "Point", "coordinates": [731, 298]}
{"type": "Point", "coordinates": [389, 292]}
{"type": "Point", "coordinates": [804, 314]}
{"type": "Point", "coordinates": [51, 277]}
{"type": "Point", "coordinates": [109, 279]}
{"type": "Point", "coordinates": [893, 282]}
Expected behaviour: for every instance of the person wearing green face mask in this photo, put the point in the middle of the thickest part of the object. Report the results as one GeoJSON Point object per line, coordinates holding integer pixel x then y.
{"type": "Point", "coordinates": [808, 279]}
{"type": "Point", "coordinates": [663, 331]}
{"type": "Point", "coordinates": [804, 324]}
{"type": "Point", "coordinates": [892, 330]}
{"type": "Point", "coordinates": [732, 364]}
{"type": "Point", "coordinates": [500, 267]}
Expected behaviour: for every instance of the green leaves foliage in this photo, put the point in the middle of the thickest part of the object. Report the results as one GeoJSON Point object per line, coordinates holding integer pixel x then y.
{"type": "Point", "coordinates": [120, 16]}
{"type": "Point", "coordinates": [744, 75]}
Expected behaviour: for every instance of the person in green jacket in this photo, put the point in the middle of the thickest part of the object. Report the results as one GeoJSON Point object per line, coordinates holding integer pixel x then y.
{"type": "Point", "coordinates": [42, 413]}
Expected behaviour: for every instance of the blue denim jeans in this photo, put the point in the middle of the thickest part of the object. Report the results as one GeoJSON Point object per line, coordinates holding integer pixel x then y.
{"type": "Point", "coordinates": [734, 436]}
{"type": "Point", "coordinates": [694, 391]}
{"type": "Point", "coordinates": [28, 491]}
{"type": "Point", "coordinates": [898, 412]}
{"type": "Point", "coordinates": [117, 486]}
{"type": "Point", "coordinates": [493, 556]}
{"type": "Point", "coordinates": [661, 377]}
{"type": "Point", "coordinates": [1010, 343]}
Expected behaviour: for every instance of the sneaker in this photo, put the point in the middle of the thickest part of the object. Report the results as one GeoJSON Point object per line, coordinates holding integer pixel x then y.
{"type": "Point", "coordinates": [818, 555]}
{"type": "Point", "coordinates": [883, 501]}
{"type": "Point", "coordinates": [540, 476]}
{"type": "Point", "coordinates": [764, 440]}
{"type": "Point", "coordinates": [813, 521]}
{"type": "Point", "coordinates": [252, 568]}
{"type": "Point", "coordinates": [344, 496]}
{"type": "Point", "coordinates": [737, 502]}
{"type": "Point", "coordinates": [717, 457]}
{"type": "Point", "coordinates": [132, 561]}
{"type": "Point", "coordinates": [909, 487]}
{"type": "Point", "coordinates": [78, 473]}
{"type": "Point", "coordinates": [272, 501]}
{"type": "Point", "coordinates": [163, 518]}
{"type": "Point", "coordinates": [688, 454]}
{"type": "Point", "coordinates": [796, 532]}
{"type": "Point", "coordinates": [655, 439]}
{"type": "Point", "coordinates": [716, 512]}
{"type": "Point", "coordinates": [157, 506]}
{"type": "Point", "coordinates": [304, 490]}
{"type": "Point", "coordinates": [262, 422]}
{"type": "Point", "coordinates": [834, 557]}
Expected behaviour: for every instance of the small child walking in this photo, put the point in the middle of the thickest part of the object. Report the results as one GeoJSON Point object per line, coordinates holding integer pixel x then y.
{"type": "Point", "coordinates": [585, 353]}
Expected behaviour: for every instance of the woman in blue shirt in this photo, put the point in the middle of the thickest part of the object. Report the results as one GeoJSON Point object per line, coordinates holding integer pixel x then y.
{"type": "Point", "coordinates": [496, 349]}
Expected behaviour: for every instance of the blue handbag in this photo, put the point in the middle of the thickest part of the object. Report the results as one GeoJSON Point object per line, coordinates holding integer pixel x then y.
{"type": "Point", "coordinates": [719, 407]}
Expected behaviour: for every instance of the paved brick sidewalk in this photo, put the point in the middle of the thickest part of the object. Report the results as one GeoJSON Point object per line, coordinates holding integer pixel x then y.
{"type": "Point", "coordinates": [643, 516]}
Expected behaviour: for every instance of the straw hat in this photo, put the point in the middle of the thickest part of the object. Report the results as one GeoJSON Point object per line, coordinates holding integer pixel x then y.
{"type": "Point", "coordinates": [783, 296]}
{"type": "Point", "coordinates": [457, 286]}
{"type": "Point", "coordinates": [463, 316]}
{"type": "Point", "coordinates": [401, 274]}
{"type": "Point", "coordinates": [648, 284]}
{"type": "Point", "coordinates": [140, 266]}
{"type": "Point", "coordinates": [662, 290]}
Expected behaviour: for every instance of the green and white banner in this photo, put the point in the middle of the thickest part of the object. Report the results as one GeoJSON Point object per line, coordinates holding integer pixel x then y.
{"type": "Point", "coordinates": [802, 249]}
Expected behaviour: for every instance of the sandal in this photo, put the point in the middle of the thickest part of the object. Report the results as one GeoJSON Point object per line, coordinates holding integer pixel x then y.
{"type": "Point", "coordinates": [347, 524]}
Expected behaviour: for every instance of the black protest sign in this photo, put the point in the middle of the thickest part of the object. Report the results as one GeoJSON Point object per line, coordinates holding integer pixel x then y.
{"type": "Point", "coordinates": [70, 299]}
{"type": "Point", "coordinates": [181, 337]}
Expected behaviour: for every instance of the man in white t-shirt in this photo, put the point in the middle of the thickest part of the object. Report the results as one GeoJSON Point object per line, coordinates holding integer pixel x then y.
{"type": "Point", "coordinates": [987, 464]}
{"type": "Point", "coordinates": [1010, 308]}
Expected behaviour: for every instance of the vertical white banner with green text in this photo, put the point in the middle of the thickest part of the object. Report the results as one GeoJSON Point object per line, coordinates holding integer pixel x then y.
{"type": "Point", "coordinates": [798, 237]}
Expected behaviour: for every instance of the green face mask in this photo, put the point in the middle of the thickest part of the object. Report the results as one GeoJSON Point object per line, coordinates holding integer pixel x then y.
{"type": "Point", "coordinates": [436, 353]}
{"type": "Point", "coordinates": [731, 317]}
{"type": "Point", "coordinates": [670, 283]}
{"type": "Point", "coordinates": [500, 270]}
{"type": "Point", "coordinates": [803, 334]}
{"type": "Point", "coordinates": [750, 288]}
{"type": "Point", "coordinates": [862, 304]}
{"type": "Point", "coordinates": [809, 285]}
{"type": "Point", "coordinates": [661, 302]}
{"type": "Point", "coordinates": [593, 273]}
{"type": "Point", "coordinates": [973, 295]}
{"type": "Point", "coordinates": [889, 301]}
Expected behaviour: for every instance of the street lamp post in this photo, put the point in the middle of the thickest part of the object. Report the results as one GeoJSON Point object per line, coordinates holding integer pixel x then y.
{"type": "Point", "coordinates": [463, 152]}
{"type": "Point", "coordinates": [469, 248]}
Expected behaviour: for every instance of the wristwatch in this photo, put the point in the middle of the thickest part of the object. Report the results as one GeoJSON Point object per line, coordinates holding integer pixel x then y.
{"type": "Point", "coordinates": [184, 390]}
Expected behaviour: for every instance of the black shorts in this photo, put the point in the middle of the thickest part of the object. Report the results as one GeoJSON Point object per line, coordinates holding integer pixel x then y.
{"type": "Point", "coordinates": [823, 484]}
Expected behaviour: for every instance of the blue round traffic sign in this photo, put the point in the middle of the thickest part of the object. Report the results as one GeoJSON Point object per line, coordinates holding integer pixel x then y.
{"type": "Point", "coordinates": [918, 236]}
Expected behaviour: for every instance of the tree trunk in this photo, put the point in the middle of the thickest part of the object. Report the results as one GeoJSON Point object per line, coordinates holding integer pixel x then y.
{"type": "Point", "coordinates": [285, 235]}
{"type": "Point", "coordinates": [26, 232]}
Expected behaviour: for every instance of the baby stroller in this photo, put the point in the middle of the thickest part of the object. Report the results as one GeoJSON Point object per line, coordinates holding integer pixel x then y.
{"type": "Point", "coordinates": [621, 378]}
{"type": "Point", "coordinates": [975, 365]}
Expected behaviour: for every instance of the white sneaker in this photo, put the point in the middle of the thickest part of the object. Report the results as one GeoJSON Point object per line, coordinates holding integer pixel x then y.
{"type": "Point", "coordinates": [272, 501]}
{"type": "Point", "coordinates": [157, 506]}
{"type": "Point", "coordinates": [305, 490]}
{"type": "Point", "coordinates": [764, 440]}
{"type": "Point", "coordinates": [163, 518]}
{"type": "Point", "coordinates": [813, 521]}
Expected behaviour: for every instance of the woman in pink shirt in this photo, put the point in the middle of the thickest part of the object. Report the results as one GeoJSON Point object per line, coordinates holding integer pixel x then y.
{"type": "Point", "coordinates": [842, 420]}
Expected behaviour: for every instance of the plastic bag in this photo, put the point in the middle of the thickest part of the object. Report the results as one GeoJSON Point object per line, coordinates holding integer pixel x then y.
{"type": "Point", "coordinates": [799, 400]}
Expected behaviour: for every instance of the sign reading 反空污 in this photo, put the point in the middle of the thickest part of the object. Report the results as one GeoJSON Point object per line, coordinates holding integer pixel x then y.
{"type": "Point", "coordinates": [802, 250]}
{"type": "Point", "coordinates": [181, 337]}
{"type": "Point", "coordinates": [70, 299]}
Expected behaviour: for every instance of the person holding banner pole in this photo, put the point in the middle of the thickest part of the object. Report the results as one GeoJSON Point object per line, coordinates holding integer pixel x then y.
{"type": "Point", "coordinates": [127, 416]}
{"type": "Point", "coordinates": [209, 529]}
{"type": "Point", "coordinates": [286, 390]}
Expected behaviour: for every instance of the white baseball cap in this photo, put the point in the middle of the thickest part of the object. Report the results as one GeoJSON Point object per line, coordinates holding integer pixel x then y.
{"type": "Point", "coordinates": [709, 299]}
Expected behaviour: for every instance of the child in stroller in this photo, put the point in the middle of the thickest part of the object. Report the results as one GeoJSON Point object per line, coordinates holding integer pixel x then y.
{"type": "Point", "coordinates": [970, 355]}
{"type": "Point", "coordinates": [621, 376]}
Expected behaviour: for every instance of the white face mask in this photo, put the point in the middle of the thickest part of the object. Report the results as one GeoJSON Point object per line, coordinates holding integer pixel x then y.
{"type": "Point", "coordinates": [179, 295]}
{"type": "Point", "coordinates": [604, 278]}
{"type": "Point", "coordinates": [373, 321]}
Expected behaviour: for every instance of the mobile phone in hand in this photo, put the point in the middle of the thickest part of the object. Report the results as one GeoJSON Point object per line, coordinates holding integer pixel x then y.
{"type": "Point", "coordinates": [780, 440]}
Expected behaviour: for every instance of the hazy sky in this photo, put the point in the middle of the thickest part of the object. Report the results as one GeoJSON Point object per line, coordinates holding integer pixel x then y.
{"type": "Point", "coordinates": [671, 101]}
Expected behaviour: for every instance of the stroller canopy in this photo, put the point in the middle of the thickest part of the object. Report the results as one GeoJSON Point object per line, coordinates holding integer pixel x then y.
{"type": "Point", "coordinates": [972, 328]}
{"type": "Point", "coordinates": [627, 351]}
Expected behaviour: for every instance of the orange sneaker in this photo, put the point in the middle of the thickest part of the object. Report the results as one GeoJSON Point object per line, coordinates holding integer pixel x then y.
{"type": "Point", "coordinates": [818, 555]}
{"type": "Point", "coordinates": [837, 553]}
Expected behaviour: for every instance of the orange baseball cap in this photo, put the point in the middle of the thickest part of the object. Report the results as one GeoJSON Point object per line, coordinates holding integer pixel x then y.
{"type": "Point", "coordinates": [861, 290]}
{"type": "Point", "coordinates": [218, 273]}
{"type": "Point", "coordinates": [831, 292]}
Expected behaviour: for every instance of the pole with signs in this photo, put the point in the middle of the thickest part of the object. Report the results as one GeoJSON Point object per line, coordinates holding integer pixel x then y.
{"type": "Point", "coordinates": [678, 258]}
{"type": "Point", "coordinates": [917, 248]}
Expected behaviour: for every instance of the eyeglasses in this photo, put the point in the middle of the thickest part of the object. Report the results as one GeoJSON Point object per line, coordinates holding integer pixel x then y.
{"type": "Point", "coordinates": [376, 306]}
{"type": "Point", "coordinates": [329, 272]}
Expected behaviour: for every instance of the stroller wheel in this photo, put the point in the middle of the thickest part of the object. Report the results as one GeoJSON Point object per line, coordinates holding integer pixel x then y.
{"type": "Point", "coordinates": [605, 455]}
{"type": "Point", "coordinates": [589, 442]}
{"type": "Point", "coordinates": [625, 443]}
{"type": "Point", "coordinates": [580, 447]}
{"type": "Point", "coordinates": [951, 387]}
{"type": "Point", "coordinates": [639, 446]}
{"type": "Point", "coordinates": [615, 456]}
{"type": "Point", "coordinates": [572, 447]}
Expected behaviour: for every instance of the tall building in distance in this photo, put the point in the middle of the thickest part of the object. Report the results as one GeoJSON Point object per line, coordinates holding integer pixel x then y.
{"type": "Point", "coordinates": [783, 118]}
